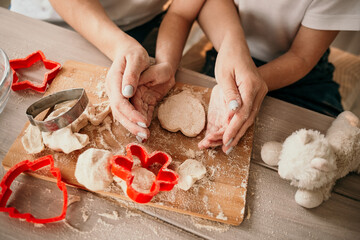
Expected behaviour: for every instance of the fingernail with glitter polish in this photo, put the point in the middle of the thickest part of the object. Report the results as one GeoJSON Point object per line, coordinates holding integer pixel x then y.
{"type": "Point", "coordinates": [229, 150]}
{"type": "Point", "coordinates": [141, 124]}
{"type": "Point", "coordinates": [233, 105]}
{"type": "Point", "coordinates": [128, 91]}
{"type": "Point", "coordinates": [229, 142]}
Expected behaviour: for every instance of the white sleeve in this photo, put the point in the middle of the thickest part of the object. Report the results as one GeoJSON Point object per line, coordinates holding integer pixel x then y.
{"type": "Point", "coordinates": [333, 15]}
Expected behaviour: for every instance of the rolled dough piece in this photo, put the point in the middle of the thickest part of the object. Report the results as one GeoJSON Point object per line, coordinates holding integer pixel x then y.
{"type": "Point", "coordinates": [93, 169]}
{"type": "Point", "coordinates": [182, 112]}
{"type": "Point", "coordinates": [65, 140]}
{"type": "Point", "coordinates": [32, 140]}
{"type": "Point", "coordinates": [189, 172]}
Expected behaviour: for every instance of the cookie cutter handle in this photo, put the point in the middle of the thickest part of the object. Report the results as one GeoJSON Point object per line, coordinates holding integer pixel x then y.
{"type": "Point", "coordinates": [64, 119]}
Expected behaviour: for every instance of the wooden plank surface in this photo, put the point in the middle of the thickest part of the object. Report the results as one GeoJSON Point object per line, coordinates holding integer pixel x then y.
{"type": "Point", "coordinates": [220, 196]}
{"type": "Point", "coordinates": [272, 213]}
{"type": "Point", "coordinates": [277, 120]}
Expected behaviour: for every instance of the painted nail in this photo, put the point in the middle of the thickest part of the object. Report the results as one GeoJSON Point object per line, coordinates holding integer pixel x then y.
{"type": "Point", "coordinates": [229, 150]}
{"type": "Point", "coordinates": [229, 142]}
{"type": "Point", "coordinates": [233, 105]}
{"type": "Point", "coordinates": [140, 140]}
{"type": "Point", "coordinates": [128, 91]}
{"type": "Point", "coordinates": [142, 135]}
{"type": "Point", "coordinates": [141, 124]}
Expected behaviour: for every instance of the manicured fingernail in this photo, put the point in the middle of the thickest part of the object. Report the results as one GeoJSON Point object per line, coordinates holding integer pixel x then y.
{"type": "Point", "coordinates": [140, 140]}
{"type": "Point", "coordinates": [229, 142]}
{"type": "Point", "coordinates": [233, 105]}
{"type": "Point", "coordinates": [128, 91]}
{"type": "Point", "coordinates": [142, 135]}
{"type": "Point", "coordinates": [229, 150]}
{"type": "Point", "coordinates": [141, 124]}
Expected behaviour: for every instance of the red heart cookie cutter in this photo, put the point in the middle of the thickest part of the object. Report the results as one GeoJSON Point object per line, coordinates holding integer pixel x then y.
{"type": "Point", "coordinates": [16, 171]}
{"type": "Point", "coordinates": [165, 180]}
{"type": "Point", "coordinates": [28, 61]}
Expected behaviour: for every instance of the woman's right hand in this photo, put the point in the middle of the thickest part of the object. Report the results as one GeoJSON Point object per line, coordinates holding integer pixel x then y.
{"type": "Point", "coordinates": [121, 83]}
{"type": "Point", "coordinates": [239, 97]}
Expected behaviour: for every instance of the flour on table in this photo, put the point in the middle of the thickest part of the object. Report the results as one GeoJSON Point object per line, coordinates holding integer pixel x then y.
{"type": "Point", "coordinates": [93, 169]}
{"type": "Point", "coordinates": [32, 140]}
{"type": "Point", "coordinates": [189, 172]}
{"type": "Point", "coordinates": [182, 112]}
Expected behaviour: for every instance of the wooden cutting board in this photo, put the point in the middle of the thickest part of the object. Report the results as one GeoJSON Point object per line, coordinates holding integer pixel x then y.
{"type": "Point", "coordinates": [220, 196]}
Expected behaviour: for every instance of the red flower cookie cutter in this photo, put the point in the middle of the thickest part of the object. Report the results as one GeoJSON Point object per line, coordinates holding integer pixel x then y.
{"type": "Point", "coordinates": [165, 180]}
{"type": "Point", "coordinates": [28, 62]}
{"type": "Point", "coordinates": [16, 171]}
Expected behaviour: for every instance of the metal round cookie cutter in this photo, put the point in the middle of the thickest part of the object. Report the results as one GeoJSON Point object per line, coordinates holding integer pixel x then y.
{"type": "Point", "coordinates": [50, 101]}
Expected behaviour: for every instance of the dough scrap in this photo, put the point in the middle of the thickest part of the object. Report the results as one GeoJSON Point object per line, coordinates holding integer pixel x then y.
{"type": "Point", "coordinates": [65, 140]}
{"type": "Point", "coordinates": [142, 182]}
{"type": "Point", "coordinates": [189, 172]}
{"type": "Point", "coordinates": [32, 140]}
{"type": "Point", "coordinates": [93, 169]}
{"type": "Point", "coordinates": [182, 112]}
{"type": "Point", "coordinates": [97, 112]}
{"type": "Point", "coordinates": [143, 179]}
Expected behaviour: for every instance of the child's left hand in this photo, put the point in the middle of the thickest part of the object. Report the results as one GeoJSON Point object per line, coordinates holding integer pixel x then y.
{"type": "Point", "coordinates": [154, 84]}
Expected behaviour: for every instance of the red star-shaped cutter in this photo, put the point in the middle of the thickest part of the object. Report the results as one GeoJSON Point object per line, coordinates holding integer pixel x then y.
{"type": "Point", "coordinates": [165, 180]}
{"type": "Point", "coordinates": [16, 171]}
{"type": "Point", "coordinates": [15, 64]}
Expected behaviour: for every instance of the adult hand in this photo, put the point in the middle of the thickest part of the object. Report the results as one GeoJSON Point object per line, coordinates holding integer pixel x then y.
{"type": "Point", "coordinates": [243, 92]}
{"type": "Point", "coordinates": [121, 84]}
{"type": "Point", "coordinates": [154, 84]}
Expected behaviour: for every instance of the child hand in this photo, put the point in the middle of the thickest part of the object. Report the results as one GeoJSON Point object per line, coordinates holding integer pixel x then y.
{"type": "Point", "coordinates": [154, 84]}
{"type": "Point", "coordinates": [216, 121]}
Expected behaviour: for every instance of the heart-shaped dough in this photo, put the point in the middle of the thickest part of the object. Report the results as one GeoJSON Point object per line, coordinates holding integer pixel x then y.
{"type": "Point", "coordinates": [182, 112]}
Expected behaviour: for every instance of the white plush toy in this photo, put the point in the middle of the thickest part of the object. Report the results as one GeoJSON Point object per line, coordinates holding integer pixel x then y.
{"type": "Point", "coordinates": [313, 162]}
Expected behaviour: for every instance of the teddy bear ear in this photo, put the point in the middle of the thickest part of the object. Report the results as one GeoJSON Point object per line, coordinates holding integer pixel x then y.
{"type": "Point", "coordinates": [305, 137]}
{"type": "Point", "coordinates": [321, 164]}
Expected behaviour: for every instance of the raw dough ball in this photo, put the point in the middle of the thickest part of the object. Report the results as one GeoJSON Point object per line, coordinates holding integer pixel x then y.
{"type": "Point", "coordinates": [32, 140]}
{"type": "Point", "coordinates": [143, 179]}
{"type": "Point", "coordinates": [189, 172]}
{"type": "Point", "coordinates": [65, 140]}
{"type": "Point", "coordinates": [270, 153]}
{"type": "Point", "coordinates": [182, 112]}
{"type": "Point", "coordinates": [308, 199]}
{"type": "Point", "coordinates": [93, 169]}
